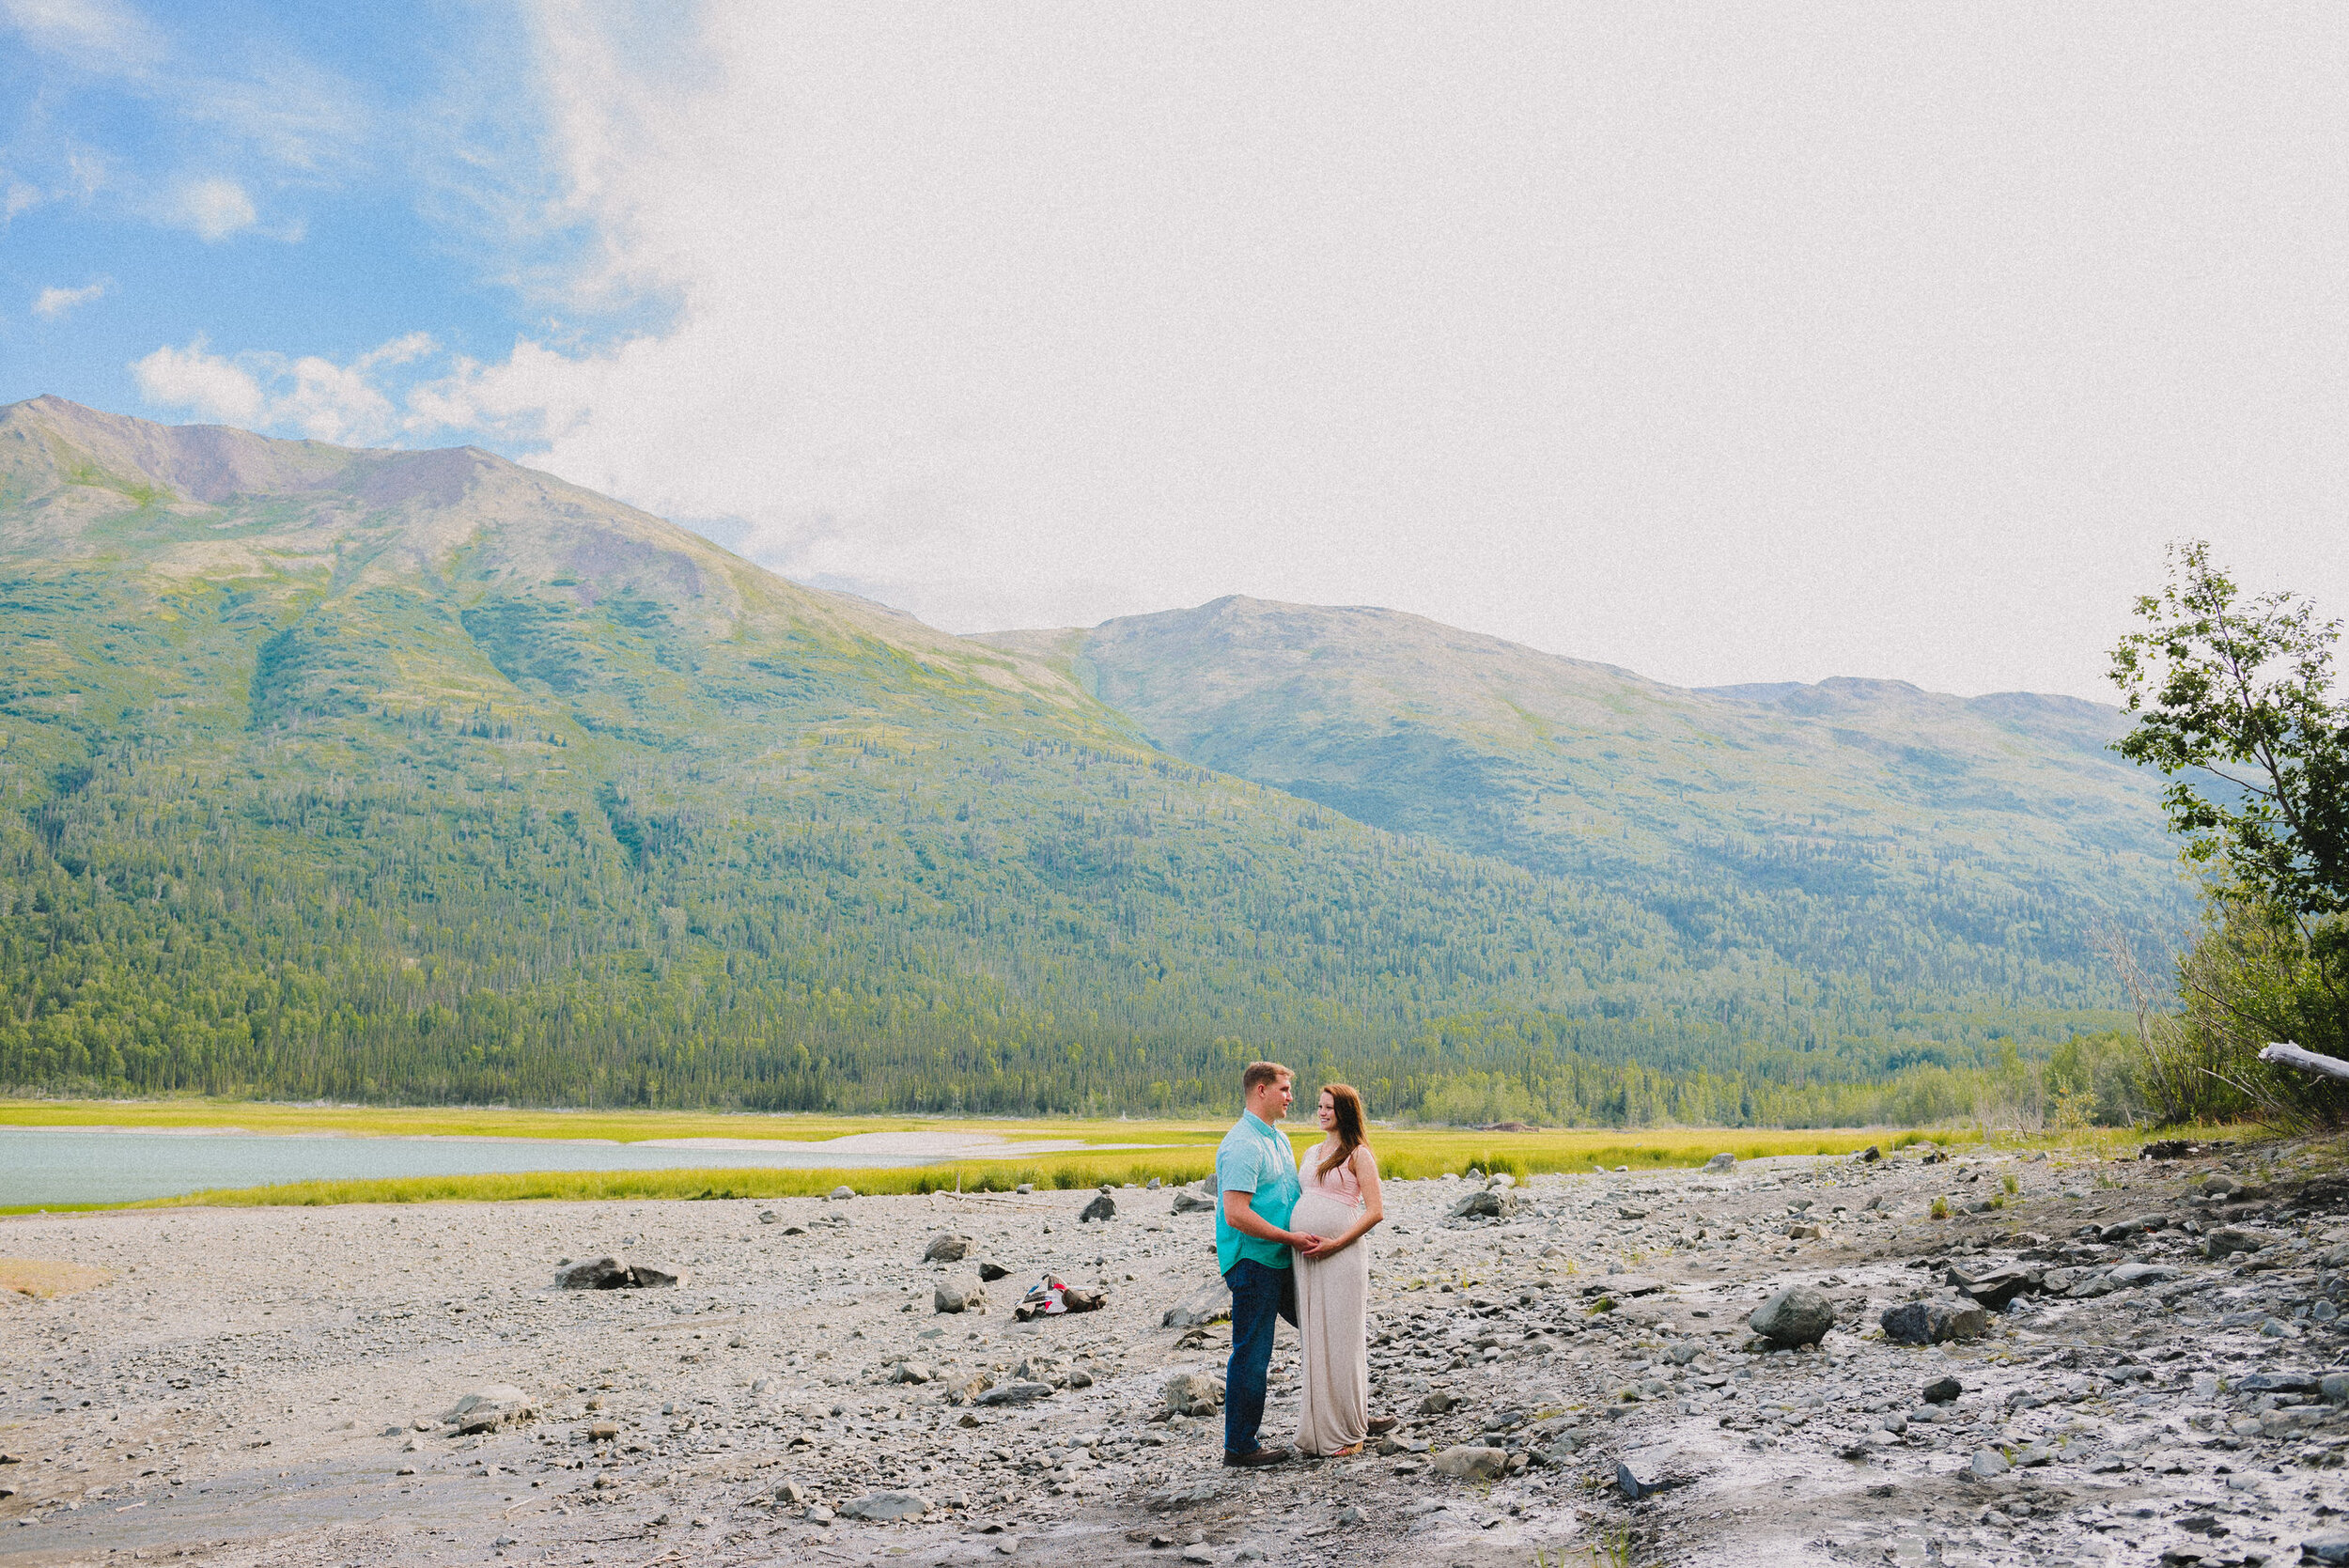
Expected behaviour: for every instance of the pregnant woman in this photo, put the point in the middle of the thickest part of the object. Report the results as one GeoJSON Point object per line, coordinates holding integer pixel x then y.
{"type": "Point", "coordinates": [1341, 1202]}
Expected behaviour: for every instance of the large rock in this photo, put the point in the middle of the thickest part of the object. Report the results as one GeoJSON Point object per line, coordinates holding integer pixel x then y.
{"type": "Point", "coordinates": [990, 1271]}
{"type": "Point", "coordinates": [1102, 1208]}
{"type": "Point", "coordinates": [887, 1507]}
{"type": "Point", "coordinates": [1795, 1315]}
{"type": "Point", "coordinates": [840, 1194]}
{"type": "Point", "coordinates": [1497, 1203]}
{"type": "Point", "coordinates": [1720, 1162]}
{"type": "Point", "coordinates": [1016, 1393]}
{"type": "Point", "coordinates": [947, 1248]}
{"type": "Point", "coordinates": [2230, 1238]}
{"type": "Point", "coordinates": [1935, 1322]}
{"type": "Point", "coordinates": [1210, 1303]}
{"type": "Point", "coordinates": [1998, 1287]}
{"type": "Point", "coordinates": [1469, 1462]}
{"type": "Point", "coordinates": [1191, 1201]}
{"type": "Point", "coordinates": [1192, 1394]}
{"type": "Point", "coordinates": [959, 1295]}
{"type": "Point", "coordinates": [490, 1408]}
{"type": "Point", "coordinates": [615, 1273]}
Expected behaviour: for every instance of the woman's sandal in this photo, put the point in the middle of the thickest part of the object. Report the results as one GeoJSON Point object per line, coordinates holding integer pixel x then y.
{"type": "Point", "coordinates": [1348, 1452]}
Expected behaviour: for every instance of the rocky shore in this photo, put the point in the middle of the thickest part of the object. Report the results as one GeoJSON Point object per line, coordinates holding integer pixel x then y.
{"type": "Point", "coordinates": [1789, 1361]}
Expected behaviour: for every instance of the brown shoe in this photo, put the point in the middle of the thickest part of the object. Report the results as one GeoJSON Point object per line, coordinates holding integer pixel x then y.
{"type": "Point", "coordinates": [1381, 1425]}
{"type": "Point", "coordinates": [1255, 1461]}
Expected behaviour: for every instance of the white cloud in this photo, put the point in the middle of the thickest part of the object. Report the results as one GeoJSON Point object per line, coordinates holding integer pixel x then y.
{"type": "Point", "coordinates": [91, 33]}
{"type": "Point", "coordinates": [1719, 347]}
{"type": "Point", "coordinates": [205, 383]}
{"type": "Point", "coordinates": [309, 395]}
{"type": "Point", "coordinates": [55, 303]}
{"type": "Point", "coordinates": [214, 209]}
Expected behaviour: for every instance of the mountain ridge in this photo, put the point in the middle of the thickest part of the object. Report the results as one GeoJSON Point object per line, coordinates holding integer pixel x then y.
{"type": "Point", "coordinates": [426, 775]}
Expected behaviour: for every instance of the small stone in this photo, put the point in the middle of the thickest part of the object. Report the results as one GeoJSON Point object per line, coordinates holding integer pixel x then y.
{"type": "Point", "coordinates": [959, 1295]}
{"type": "Point", "coordinates": [1436, 1404]}
{"type": "Point", "coordinates": [1943, 1391]}
{"type": "Point", "coordinates": [1350, 1515]}
{"type": "Point", "coordinates": [1151, 1186]}
{"type": "Point", "coordinates": [990, 1271]}
{"type": "Point", "coordinates": [2333, 1386]}
{"type": "Point", "coordinates": [1721, 1161]}
{"type": "Point", "coordinates": [2332, 1547]}
{"type": "Point", "coordinates": [1987, 1464]}
{"type": "Point", "coordinates": [886, 1507]}
{"type": "Point", "coordinates": [1192, 1394]}
{"type": "Point", "coordinates": [490, 1408]}
{"type": "Point", "coordinates": [1797, 1315]}
{"type": "Point", "coordinates": [768, 1217]}
{"type": "Point", "coordinates": [1471, 1463]}
{"type": "Point", "coordinates": [840, 1194]}
{"type": "Point", "coordinates": [946, 1248]}
{"type": "Point", "coordinates": [1200, 1553]}
{"type": "Point", "coordinates": [1102, 1208]}
{"type": "Point", "coordinates": [1191, 1201]}
{"type": "Point", "coordinates": [1491, 1204]}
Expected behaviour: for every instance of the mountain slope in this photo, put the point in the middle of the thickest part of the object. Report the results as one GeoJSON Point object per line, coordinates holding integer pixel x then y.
{"type": "Point", "coordinates": [1856, 825]}
{"type": "Point", "coordinates": [427, 776]}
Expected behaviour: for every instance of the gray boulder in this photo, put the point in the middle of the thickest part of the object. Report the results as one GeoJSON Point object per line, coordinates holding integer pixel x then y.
{"type": "Point", "coordinates": [946, 1248]}
{"type": "Point", "coordinates": [990, 1271]}
{"type": "Point", "coordinates": [886, 1507]}
{"type": "Point", "coordinates": [1191, 1201]}
{"type": "Point", "coordinates": [1102, 1208]}
{"type": "Point", "coordinates": [1210, 1303]}
{"type": "Point", "coordinates": [1795, 1315]}
{"type": "Point", "coordinates": [1721, 1161]}
{"type": "Point", "coordinates": [840, 1194]}
{"type": "Point", "coordinates": [1192, 1394]}
{"type": "Point", "coordinates": [1935, 1322]}
{"type": "Point", "coordinates": [959, 1295]}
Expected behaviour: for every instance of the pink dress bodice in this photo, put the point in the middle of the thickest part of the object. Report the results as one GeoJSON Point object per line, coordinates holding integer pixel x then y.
{"type": "Point", "coordinates": [1339, 1181]}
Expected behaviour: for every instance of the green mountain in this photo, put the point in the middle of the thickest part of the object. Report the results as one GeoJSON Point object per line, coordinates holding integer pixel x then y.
{"type": "Point", "coordinates": [424, 776]}
{"type": "Point", "coordinates": [1860, 826]}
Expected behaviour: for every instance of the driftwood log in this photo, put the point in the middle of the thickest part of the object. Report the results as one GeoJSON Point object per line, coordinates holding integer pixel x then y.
{"type": "Point", "coordinates": [2285, 1054]}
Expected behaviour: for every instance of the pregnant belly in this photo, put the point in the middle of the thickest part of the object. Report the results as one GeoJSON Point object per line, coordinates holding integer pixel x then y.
{"type": "Point", "coordinates": [1319, 1214]}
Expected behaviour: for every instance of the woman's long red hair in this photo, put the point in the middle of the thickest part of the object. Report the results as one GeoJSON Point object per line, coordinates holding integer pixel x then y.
{"type": "Point", "coordinates": [1347, 1105]}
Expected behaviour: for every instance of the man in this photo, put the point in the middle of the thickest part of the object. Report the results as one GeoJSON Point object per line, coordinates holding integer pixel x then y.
{"type": "Point", "coordinates": [1255, 1174]}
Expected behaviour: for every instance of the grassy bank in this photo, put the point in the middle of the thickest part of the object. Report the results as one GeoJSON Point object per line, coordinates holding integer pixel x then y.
{"type": "Point", "coordinates": [1183, 1152]}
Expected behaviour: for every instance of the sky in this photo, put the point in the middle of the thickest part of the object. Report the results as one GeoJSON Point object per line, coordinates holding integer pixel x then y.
{"type": "Point", "coordinates": [1728, 342]}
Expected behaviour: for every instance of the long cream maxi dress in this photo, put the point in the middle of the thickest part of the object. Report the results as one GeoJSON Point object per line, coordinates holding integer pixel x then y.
{"type": "Point", "coordinates": [1333, 1304]}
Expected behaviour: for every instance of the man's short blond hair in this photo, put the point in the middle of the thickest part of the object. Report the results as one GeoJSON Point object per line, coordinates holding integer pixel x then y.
{"type": "Point", "coordinates": [1261, 1073]}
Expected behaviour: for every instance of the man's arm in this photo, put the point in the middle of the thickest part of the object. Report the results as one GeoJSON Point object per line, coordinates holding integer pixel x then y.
{"type": "Point", "coordinates": [1239, 1211]}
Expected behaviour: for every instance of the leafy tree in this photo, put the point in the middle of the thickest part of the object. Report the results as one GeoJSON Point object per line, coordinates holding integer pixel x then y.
{"type": "Point", "coordinates": [2236, 703]}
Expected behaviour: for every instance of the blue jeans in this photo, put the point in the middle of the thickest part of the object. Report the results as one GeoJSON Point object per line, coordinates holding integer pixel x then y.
{"type": "Point", "coordinates": [1260, 1292]}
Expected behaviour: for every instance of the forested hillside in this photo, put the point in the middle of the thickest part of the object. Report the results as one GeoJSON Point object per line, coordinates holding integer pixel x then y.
{"type": "Point", "coordinates": [424, 776]}
{"type": "Point", "coordinates": [1852, 826]}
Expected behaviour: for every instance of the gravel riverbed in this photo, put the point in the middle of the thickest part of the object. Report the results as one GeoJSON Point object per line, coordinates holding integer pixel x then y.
{"type": "Point", "coordinates": [276, 1386]}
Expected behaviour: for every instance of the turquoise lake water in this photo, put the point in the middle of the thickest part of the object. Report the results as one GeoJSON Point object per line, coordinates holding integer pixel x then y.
{"type": "Point", "coordinates": [72, 1165]}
